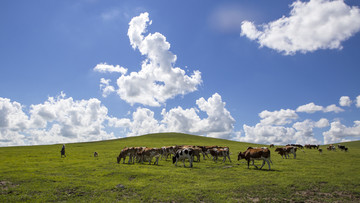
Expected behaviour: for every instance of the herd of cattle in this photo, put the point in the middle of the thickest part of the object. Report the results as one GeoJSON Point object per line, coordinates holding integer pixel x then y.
{"type": "Point", "coordinates": [189, 152]}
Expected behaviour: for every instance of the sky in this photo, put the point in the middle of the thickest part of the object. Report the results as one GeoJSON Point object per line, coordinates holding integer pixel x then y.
{"type": "Point", "coordinates": [267, 72]}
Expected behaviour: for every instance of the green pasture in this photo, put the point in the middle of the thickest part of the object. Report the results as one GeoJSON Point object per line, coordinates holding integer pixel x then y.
{"type": "Point", "coordinates": [38, 174]}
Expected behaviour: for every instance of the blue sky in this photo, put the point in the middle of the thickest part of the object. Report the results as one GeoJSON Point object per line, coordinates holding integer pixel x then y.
{"type": "Point", "coordinates": [256, 71]}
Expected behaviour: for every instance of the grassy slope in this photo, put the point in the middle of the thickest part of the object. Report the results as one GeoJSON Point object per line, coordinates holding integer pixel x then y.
{"type": "Point", "coordinates": [37, 173]}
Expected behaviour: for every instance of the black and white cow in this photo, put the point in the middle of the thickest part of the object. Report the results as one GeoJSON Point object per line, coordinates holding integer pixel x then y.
{"type": "Point", "coordinates": [182, 154]}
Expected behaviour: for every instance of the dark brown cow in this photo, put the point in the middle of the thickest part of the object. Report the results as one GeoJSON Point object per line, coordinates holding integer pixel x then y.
{"type": "Point", "coordinates": [285, 151]}
{"type": "Point", "coordinates": [310, 146]}
{"type": "Point", "coordinates": [256, 154]}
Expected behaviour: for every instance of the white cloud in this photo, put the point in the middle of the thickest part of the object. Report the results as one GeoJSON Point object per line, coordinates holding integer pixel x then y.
{"type": "Point", "coordinates": [309, 108]}
{"type": "Point", "coordinates": [281, 117]}
{"type": "Point", "coordinates": [13, 122]}
{"type": "Point", "coordinates": [267, 134]}
{"type": "Point", "coordinates": [65, 120]}
{"type": "Point", "coordinates": [345, 101]}
{"type": "Point", "coordinates": [106, 68]}
{"type": "Point", "coordinates": [333, 108]}
{"type": "Point", "coordinates": [218, 123]}
{"type": "Point", "coordinates": [304, 130]}
{"type": "Point", "coordinates": [313, 25]}
{"type": "Point", "coordinates": [158, 80]}
{"type": "Point", "coordinates": [57, 120]}
{"type": "Point", "coordinates": [341, 133]}
{"type": "Point", "coordinates": [312, 108]}
{"type": "Point", "coordinates": [105, 87]}
{"type": "Point", "coordinates": [358, 101]}
{"type": "Point", "coordinates": [300, 132]}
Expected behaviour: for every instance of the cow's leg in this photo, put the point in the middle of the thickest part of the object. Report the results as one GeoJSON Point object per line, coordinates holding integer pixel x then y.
{"type": "Point", "coordinates": [229, 158]}
{"type": "Point", "coordinates": [254, 164]}
{"type": "Point", "coordinates": [262, 164]}
{"type": "Point", "coordinates": [294, 155]}
{"type": "Point", "coordinates": [184, 162]}
{"type": "Point", "coordinates": [268, 163]}
{"type": "Point", "coordinates": [248, 163]}
{"type": "Point", "coordinates": [203, 155]}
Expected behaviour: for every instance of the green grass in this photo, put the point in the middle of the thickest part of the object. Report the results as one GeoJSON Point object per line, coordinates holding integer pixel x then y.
{"type": "Point", "coordinates": [38, 174]}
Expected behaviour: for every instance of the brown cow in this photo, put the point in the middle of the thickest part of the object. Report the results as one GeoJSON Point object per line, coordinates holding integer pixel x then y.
{"type": "Point", "coordinates": [148, 154]}
{"type": "Point", "coordinates": [127, 151]}
{"type": "Point", "coordinates": [285, 151]}
{"type": "Point", "coordinates": [220, 152]}
{"type": "Point", "coordinates": [256, 154]}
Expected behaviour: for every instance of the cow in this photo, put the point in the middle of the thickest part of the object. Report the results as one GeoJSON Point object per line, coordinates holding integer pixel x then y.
{"type": "Point", "coordinates": [282, 152]}
{"type": "Point", "coordinates": [148, 154]}
{"type": "Point", "coordinates": [256, 154]}
{"type": "Point", "coordinates": [220, 152]}
{"type": "Point", "coordinates": [127, 151]}
{"type": "Point", "coordinates": [331, 148]}
{"type": "Point", "coordinates": [272, 145]}
{"type": "Point", "coordinates": [96, 154]}
{"type": "Point", "coordinates": [203, 151]}
{"type": "Point", "coordinates": [298, 145]}
{"type": "Point", "coordinates": [182, 154]}
{"type": "Point", "coordinates": [320, 151]}
{"type": "Point", "coordinates": [166, 151]}
{"type": "Point", "coordinates": [310, 146]}
{"type": "Point", "coordinates": [62, 152]}
{"type": "Point", "coordinates": [197, 152]}
{"type": "Point", "coordinates": [342, 147]}
{"type": "Point", "coordinates": [285, 151]}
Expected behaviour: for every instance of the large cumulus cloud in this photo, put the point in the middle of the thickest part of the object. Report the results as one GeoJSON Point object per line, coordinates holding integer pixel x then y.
{"type": "Point", "coordinates": [312, 25]}
{"type": "Point", "coordinates": [158, 80]}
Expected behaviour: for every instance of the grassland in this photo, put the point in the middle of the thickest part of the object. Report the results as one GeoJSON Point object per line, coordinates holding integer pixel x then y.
{"type": "Point", "coordinates": [38, 174]}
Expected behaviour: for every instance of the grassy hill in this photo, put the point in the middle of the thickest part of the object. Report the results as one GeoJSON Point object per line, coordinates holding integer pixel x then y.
{"type": "Point", "coordinates": [37, 173]}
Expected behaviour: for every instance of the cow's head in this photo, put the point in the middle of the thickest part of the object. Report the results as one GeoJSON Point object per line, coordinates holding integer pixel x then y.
{"type": "Point", "coordinates": [241, 156]}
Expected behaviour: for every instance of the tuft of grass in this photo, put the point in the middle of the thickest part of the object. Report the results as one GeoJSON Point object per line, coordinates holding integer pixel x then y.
{"type": "Point", "coordinates": [37, 173]}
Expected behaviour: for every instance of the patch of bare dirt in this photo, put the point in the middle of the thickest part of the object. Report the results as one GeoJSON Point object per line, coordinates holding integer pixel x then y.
{"type": "Point", "coordinates": [5, 186]}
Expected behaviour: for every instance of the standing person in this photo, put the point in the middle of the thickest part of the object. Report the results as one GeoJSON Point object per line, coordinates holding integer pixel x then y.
{"type": "Point", "coordinates": [63, 151]}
